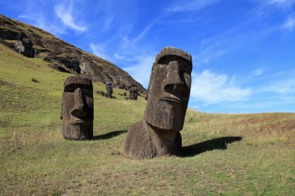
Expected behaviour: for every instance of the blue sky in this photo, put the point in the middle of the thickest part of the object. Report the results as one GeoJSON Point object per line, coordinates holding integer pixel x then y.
{"type": "Point", "coordinates": [243, 50]}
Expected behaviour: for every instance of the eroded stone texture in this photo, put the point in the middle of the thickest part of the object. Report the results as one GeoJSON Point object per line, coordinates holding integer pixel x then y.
{"type": "Point", "coordinates": [158, 133]}
{"type": "Point", "coordinates": [77, 109]}
{"type": "Point", "coordinates": [109, 88]}
{"type": "Point", "coordinates": [133, 93]}
{"type": "Point", "coordinates": [25, 46]}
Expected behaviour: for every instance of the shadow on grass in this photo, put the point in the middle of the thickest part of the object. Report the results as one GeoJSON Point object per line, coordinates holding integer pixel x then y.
{"type": "Point", "coordinates": [214, 144]}
{"type": "Point", "coordinates": [109, 135]}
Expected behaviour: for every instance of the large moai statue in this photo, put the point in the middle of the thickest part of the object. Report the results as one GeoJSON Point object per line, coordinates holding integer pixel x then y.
{"type": "Point", "coordinates": [109, 88]}
{"type": "Point", "coordinates": [158, 133]}
{"type": "Point", "coordinates": [133, 92]}
{"type": "Point", "coordinates": [77, 109]}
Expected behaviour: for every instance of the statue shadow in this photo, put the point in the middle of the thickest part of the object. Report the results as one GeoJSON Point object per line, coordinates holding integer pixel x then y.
{"type": "Point", "coordinates": [109, 135]}
{"type": "Point", "coordinates": [213, 144]}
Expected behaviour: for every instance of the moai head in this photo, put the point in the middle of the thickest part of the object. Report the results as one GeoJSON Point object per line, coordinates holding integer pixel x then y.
{"type": "Point", "coordinates": [133, 92]}
{"type": "Point", "coordinates": [77, 108]}
{"type": "Point", "coordinates": [169, 89]}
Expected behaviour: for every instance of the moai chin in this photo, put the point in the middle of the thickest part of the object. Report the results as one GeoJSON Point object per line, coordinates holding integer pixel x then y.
{"type": "Point", "coordinates": [77, 109]}
{"type": "Point", "coordinates": [158, 133]}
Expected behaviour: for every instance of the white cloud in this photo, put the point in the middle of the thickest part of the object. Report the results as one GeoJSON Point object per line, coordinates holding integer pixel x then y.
{"type": "Point", "coordinates": [290, 23]}
{"type": "Point", "coordinates": [141, 69]}
{"type": "Point", "coordinates": [216, 47]}
{"type": "Point", "coordinates": [64, 11]}
{"type": "Point", "coordinates": [39, 20]}
{"type": "Point", "coordinates": [258, 72]}
{"type": "Point", "coordinates": [282, 3]}
{"type": "Point", "coordinates": [212, 88]}
{"type": "Point", "coordinates": [190, 5]}
{"type": "Point", "coordinates": [266, 8]}
{"type": "Point", "coordinates": [281, 87]}
{"type": "Point", "coordinates": [99, 51]}
{"type": "Point", "coordinates": [143, 33]}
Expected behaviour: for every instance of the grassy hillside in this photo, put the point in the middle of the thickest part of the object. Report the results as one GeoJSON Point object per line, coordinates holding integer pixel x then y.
{"type": "Point", "coordinates": [247, 154]}
{"type": "Point", "coordinates": [61, 55]}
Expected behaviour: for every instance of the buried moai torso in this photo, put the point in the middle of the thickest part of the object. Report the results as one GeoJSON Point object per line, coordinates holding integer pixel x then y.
{"type": "Point", "coordinates": [168, 94]}
{"type": "Point", "coordinates": [77, 109]}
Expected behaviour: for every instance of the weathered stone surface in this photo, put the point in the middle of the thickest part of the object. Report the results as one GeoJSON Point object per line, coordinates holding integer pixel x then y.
{"type": "Point", "coordinates": [133, 93]}
{"type": "Point", "coordinates": [77, 109]}
{"type": "Point", "coordinates": [109, 88]}
{"type": "Point", "coordinates": [35, 42]}
{"type": "Point", "coordinates": [25, 46]}
{"type": "Point", "coordinates": [158, 133]}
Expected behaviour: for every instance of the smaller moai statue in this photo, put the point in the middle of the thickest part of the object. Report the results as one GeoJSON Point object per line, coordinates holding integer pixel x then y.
{"type": "Point", "coordinates": [109, 88]}
{"type": "Point", "coordinates": [133, 92]}
{"type": "Point", "coordinates": [77, 109]}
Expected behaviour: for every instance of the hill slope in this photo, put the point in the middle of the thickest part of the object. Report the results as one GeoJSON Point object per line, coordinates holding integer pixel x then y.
{"type": "Point", "coordinates": [247, 154]}
{"type": "Point", "coordinates": [37, 43]}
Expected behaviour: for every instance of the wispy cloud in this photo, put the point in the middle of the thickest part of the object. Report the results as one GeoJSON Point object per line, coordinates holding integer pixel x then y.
{"type": "Point", "coordinates": [39, 14]}
{"type": "Point", "coordinates": [141, 70]}
{"type": "Point", "coordinates": [41, 21]}
{"type": "Point", "coordinates": [214, 47]}
{"type": "Point", "coordinates": [258, 72]}
{"type": "Point", "coordinates": [269, 8]}
{"type": "Point", "coordinates": [290, 23]}
{"type": "Point", "coordinates": [212, 88]}
{"type": "Point", "coordinates": [286, 86]}
{"type": "Point", "coordinates": [143, 33]}
{"type": "Point", "coordinates": [64, 11]}
{"type": "Point", "coordinates": [99, 51]}
{"type": "Point", "coordinates": [280, 4]}
{"type": "Point", "coordinates": [285, 4]}
{"type": "Point", "coordinates": [190, 5]}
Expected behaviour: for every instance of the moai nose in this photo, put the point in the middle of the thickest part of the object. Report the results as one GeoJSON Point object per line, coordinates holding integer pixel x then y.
{"type": "Point", "coordinates": [79, 106]}
{"type": "Point", "coordinates": [174, 73]}
{"type": "Point", "coordinates": [174, 83]}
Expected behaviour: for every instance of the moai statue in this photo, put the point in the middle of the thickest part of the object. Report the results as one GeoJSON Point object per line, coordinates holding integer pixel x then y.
{"type": "Point", "coordinates": [158, 133]}
{"type": "Point", "coordinates": [77, 109]}
{"type": "Point", "coordinates": [109, 88]}
{"type": "Point", "coordinates": [25, 46]}
{"type": "Point", "coordinates": [133, 92]}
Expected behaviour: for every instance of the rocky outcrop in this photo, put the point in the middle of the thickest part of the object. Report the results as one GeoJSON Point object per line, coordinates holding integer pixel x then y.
{"type": "Point", "coordinates": [37, 43]}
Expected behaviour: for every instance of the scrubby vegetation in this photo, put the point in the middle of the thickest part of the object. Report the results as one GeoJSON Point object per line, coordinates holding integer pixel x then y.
{"type": "Point", "coordinates": [245, 154]}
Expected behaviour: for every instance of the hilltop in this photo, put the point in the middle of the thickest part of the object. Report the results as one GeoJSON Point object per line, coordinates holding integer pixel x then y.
{"type": "Point", "coordinates": [34, 42]}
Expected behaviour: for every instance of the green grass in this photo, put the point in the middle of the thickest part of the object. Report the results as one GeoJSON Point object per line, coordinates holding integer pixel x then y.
{"type": "Point", "coordinates": [245, 154]}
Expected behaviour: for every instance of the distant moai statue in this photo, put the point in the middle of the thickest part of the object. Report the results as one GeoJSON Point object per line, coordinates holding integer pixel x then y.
{"type": "Point", "coordinates": [133, 92]}
{"type": "Point", "coordinates": [77, 109]}
{"type": "Point", "coordinates": [109, 88]}
{"type": "Point", "coordinates": [24, 45]}
{"type": "Point", "coordinates": [158, 133]}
